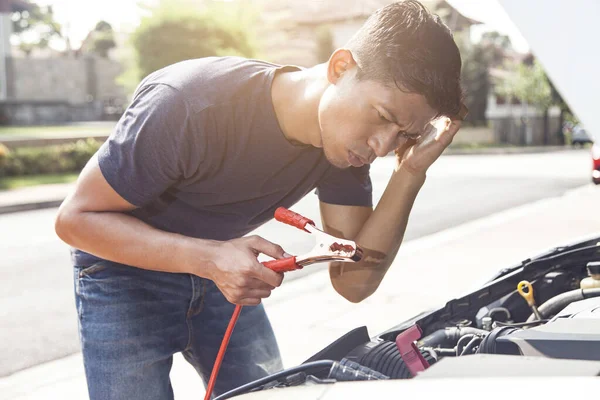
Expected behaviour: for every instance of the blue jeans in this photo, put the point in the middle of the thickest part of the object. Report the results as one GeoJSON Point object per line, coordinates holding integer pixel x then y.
{"type": "Point", "coordinates": [132, 321]}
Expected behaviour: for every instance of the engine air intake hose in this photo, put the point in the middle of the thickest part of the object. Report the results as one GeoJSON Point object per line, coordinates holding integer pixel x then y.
{"type": "Point", "coordinates": [385, 358]}
{"type": "Point", "coordinates": [490, 346]}
{"type": "Point", "coordinates": [448, 337]}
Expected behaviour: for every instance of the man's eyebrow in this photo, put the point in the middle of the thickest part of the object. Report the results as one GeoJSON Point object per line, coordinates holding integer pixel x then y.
{"type": "Point", "coordinates": [392, 116]}
{"type": "Point", "coordinates": [395, 120]}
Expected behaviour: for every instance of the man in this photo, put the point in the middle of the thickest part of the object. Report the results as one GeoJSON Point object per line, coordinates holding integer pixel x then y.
{"type": "Point", "coordinates": [205, 153]}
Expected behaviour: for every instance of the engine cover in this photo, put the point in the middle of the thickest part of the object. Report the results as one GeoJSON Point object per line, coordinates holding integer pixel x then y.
{"type": "Point", "coordinates": [588, 308]}
{"type": "Point", "coordinates": [494, 365]}
{"type": "Point", "coordinates": [572, 334]}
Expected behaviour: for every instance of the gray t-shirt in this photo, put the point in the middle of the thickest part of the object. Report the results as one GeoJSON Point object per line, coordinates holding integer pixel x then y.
{"type": "Point", "coordinates": [201, 153]}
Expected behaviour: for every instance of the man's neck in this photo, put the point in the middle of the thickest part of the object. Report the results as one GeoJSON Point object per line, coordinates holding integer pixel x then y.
{"type": "Point", "coordinates": [296, 97]}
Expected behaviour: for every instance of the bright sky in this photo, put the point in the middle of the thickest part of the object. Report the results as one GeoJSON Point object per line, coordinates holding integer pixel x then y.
{"type": "Point", "coordinates": [78, 17]}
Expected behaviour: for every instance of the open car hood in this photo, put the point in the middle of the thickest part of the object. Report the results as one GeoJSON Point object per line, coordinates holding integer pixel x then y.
{"type": "Point", "coordinates": [488, 334]}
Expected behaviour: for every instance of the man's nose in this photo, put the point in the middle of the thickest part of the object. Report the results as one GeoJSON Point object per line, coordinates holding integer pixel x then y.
{"type": "Point", "coordinates": [383, 141]}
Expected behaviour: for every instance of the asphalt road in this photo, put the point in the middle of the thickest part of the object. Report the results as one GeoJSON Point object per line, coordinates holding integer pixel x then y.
{"type": "Point", "coordinates": [37, 313]}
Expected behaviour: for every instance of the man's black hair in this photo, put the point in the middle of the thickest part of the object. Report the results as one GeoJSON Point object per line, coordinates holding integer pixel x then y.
{"type": "Point", "coordinates": [406, 45]}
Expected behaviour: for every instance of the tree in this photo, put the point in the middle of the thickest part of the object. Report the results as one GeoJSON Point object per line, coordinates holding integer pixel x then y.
{"type": "Point", "coordinates": [496, 46]}
{"type": "Point", "coordinates": [565, 110]}
{"type": "Point", "coordinates": [476, 82]}
{"type": "Point", "coordinates": [496, 40]}
{"type": "Point", "coordinates": [477, 60]}
{"type": "Point", "coordinates": [35, 27]}
{"type": "Point", "coordinates": [530, 84]}
{"type": "Point", "coordinates": [171, 35]}
{"type": "Point", "coordinates": [102, 39]}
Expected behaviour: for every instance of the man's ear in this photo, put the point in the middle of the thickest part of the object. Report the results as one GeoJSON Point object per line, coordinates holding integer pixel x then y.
{"type": "Point", "coordinates": [340, 62]}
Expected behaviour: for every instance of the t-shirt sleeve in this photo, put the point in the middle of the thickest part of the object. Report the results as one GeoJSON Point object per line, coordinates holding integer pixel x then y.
{"type": "Point", "coordinates": [146, 152]}
{"type": "Point", "coordinates": [347, 187]}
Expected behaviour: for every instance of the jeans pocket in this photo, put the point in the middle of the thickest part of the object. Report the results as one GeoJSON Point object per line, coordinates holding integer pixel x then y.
{"type": "Point", "coordinates": [91, 269]}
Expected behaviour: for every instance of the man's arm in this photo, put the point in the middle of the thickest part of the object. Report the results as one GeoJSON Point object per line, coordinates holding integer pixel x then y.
{"type": "Point", "coordinates": [380, 232]}
{"type": "Point", "coordinates": [93, 219]}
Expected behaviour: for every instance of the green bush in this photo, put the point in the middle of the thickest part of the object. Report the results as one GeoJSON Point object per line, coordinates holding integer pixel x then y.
{"type": "Point", "coordinates": [168, 37]}
{"type": "Point", "coordinates": [54, 159]}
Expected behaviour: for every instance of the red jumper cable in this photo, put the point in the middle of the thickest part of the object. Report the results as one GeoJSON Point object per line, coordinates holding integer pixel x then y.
{"type": "Point", "coordinates": [327, 248]}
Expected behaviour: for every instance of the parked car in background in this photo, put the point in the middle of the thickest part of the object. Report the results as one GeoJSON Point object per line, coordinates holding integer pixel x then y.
{"type": "Point", "coordinates": [579, 136]}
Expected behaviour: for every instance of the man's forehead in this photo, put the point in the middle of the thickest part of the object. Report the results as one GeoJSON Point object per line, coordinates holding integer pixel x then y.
{"type": "Point", "coordinates": [410, 105]}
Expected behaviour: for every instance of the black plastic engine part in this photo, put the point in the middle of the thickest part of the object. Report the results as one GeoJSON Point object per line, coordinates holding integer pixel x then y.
{"type": "Point", "coordinates": [342, 346]}
{"type": "Point", "coordinates": [315, 367]}
{"type": "Point", "coordinates": [593, 268]}
{"type": "Point", "coordinates": [545, 288]}
{"type": "Point", "coordinates": [385, 358]}
{"type": "Point", "coordinates": [501, 314]}
{"type": "Point", "coordinates": [490, 345]}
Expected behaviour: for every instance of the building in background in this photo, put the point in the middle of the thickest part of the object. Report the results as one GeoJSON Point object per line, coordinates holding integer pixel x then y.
{"type": "Point", "coordinates": [561, 36]}
{"type": "Point", "coordinates": [305, 33]}
{"type": "Point", "coordinates": [50, 86]}
{"type": "Point", "coordinates": [7, 7]}
{"type": "Point", "coordinates": [518, 123]}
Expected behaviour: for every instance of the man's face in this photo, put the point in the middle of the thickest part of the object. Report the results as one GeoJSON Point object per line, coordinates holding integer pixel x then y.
{"type": "Point", "coordinates": [362, 120]}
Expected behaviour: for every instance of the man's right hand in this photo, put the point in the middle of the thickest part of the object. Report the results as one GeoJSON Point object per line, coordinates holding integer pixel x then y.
{"type": "Point", "coordinates": [93, 218]}
{"type": "Point", "coordinates": [239, 275]}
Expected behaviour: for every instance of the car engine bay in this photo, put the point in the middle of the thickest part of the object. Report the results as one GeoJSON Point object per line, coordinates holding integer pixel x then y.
{"type": "Point", "coordinates": [501, 329]}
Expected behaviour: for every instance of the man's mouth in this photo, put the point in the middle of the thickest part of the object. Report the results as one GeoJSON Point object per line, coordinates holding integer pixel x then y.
{"type": "Point", "coordinates": [355, 160]}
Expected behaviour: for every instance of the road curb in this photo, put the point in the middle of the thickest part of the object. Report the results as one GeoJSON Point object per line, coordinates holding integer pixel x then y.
{"type": "Point", "coordinates": [17, 142]}
{"type": "Point", "coordinates": [50, 203]}
{"type": "Point", "coordinates": [507, 150]}
{"type": "Point", "coordinates": [14, 208]}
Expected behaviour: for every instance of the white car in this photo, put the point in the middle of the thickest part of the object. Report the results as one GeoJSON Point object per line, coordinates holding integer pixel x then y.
{"type": "Point", "coordinates": [491, 338]}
